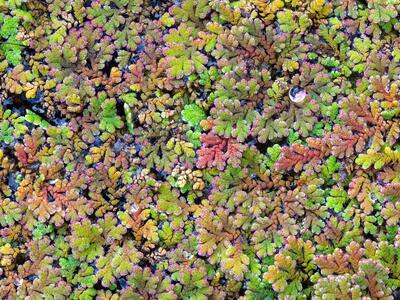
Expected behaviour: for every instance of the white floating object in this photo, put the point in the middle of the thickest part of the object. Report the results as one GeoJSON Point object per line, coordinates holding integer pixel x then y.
{"type": "Point", "coordinates": [297, 95]}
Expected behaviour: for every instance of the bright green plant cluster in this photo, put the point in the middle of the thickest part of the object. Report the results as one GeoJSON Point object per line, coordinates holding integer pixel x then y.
{"type": "Point", "coordinates": [209, 149]}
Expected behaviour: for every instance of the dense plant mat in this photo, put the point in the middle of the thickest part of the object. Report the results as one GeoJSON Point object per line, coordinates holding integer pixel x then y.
{"type": "Point", "coordinates": [199, 149]}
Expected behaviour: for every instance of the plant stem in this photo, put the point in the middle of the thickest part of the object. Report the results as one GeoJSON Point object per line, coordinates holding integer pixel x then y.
{"type": "Point", "coordinates": [15, 44]}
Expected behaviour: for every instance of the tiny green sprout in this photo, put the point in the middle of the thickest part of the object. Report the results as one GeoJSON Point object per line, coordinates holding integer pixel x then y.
{"type": "Point", "coordinates": [193, 114]}
{"type": "Point", "coordinates": [293, 137]}
{"type": "Point", "coordinates": [167, 20]}
{"type": "Point", "coordinates": [335, 74]}
{"type": "Point", "coordinates": [331, 62]}
{"type": "Point", "coordinates": [312, 55]}
{"type": "Point", "coordinates": [129, 119]}
{"type": "Point", "coordinates": [35, 119]}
